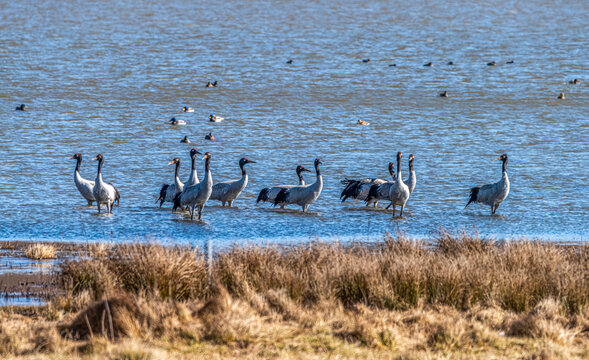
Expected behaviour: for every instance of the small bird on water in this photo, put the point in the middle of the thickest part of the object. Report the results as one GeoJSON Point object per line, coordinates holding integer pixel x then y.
{"type": "Point", "coordinates": [21, 107]}
{"type": "Point", "coordinates": [450, 63]}
{"type": "Point", "coordinates": [210, 136]}
{"type": "Point", "coordinates": [213, 84]}
{"type": "Point", "coordinates": [575, 82]}
{"type": "Point", "coordinates": [362, 122]}
{"type": "Point", "coordinates": [185, 140]}
{"type": "Point", "coordinates": [289, 61]}
{"type": "Point", "coordinates": [561, 96]}
{"type": "Point", "coordinates": [187, 109]}
{"type": "Point", "coordinates": [174, 121]}
{"type": "Point", "coordinates": [365, 60]}
{"type": "Point", "coordinates": [215, 118]}
{"type": "Point", "coordinates": [444, 94]}
{"type": "Point", "coordinates": [429, 64]}
{"type": "Point", "coordinates": [492, 63]}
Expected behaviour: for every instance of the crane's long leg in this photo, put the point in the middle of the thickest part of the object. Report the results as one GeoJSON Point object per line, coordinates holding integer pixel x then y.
{"type": "Point", "coordinates": [402, 207]}
{"type": "Point", "coordinates": [390, 206]}
{"type": "Point", "coordinates": [200, 212]}
{"type": "Point", "coordinates": [231, 203]}
{"type": "Point", "coordinates": [98, 204]}
{"type": "Point", "coordinates": [192, 211]}
{"type": "Point", "coordinates": [108, 207]}
{"type": "Point", "coordinates": [89, 202]}
{"type": "Point", "coordinates": [305, 208]}
{"type": "Point", "coordinates": [394, 208]}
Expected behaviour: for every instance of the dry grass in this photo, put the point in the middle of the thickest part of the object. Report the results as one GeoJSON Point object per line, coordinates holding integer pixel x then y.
{"type": "Point", "coordinates": [461, 297]}
{"type": "Point", "coordinates": [41, 251]}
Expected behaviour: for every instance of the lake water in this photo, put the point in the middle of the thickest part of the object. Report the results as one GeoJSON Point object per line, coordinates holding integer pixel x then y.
{"type": "Point", "coordinates": [105, 76]}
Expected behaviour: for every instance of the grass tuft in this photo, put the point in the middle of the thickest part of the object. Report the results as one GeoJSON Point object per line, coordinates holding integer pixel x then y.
{"type": "Point", "coordinates": [40, 252]}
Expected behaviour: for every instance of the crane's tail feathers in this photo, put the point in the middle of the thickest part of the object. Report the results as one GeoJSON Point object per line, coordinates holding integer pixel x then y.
{"type": "Point", "coordinates": [351, 190]}
{"type": "Point", "coordinates": [263, 195]}
{"type": "Point", "coordinates": [474, 194]}
{"type": "Point", "coordinates": [177, 201]}
{"type": "Point", "coordinates": [281, 197]}
{"type": "Point", "coordinates": [117, 196]}
{"type": "Point", "coordinates": [372, 194]}
{"type": "Point", "coordinates": [162, 197]}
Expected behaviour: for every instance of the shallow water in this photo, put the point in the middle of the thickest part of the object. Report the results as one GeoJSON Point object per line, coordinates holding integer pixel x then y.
{"type": "Point", "coordinates": [106, 76]}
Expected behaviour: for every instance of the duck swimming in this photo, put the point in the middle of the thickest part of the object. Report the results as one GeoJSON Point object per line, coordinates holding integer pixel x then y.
{"type": "Point", "coordinates": [289, 61]}
{"type": "Point", "coordinates": [211, 84]}
{"type": "Point", "coordinates": [510, 62]}
{"type": "Point", "coordinates": [575, 82]}
{"type": "Point", "coordinates": [365, 60]}
{"type": "Point", "coordinates": [21, 107]}
{"type": "Point", "coordinates": [174, 121]}
{"type": "Point", "coordinates": [362, 122]}
{"type": "Point", "coordinates": [187, 109]}
{"type": "Point", "coordinates": [450, 63]}
{"type": "Point", "coordinates": [214, 118]}
{"type": "Point", "coordinates": [429, 64]}
{"type": "Point", "coordinates": [210, 136]}
{"type": "Point", "coordinates": [444, 94]}
{"type": "Point", "coordinates": [561, 96]}
{"type": "Point", "coordinates": [185, 140]}
{"type": "Point", "coordinates": [492, 63]}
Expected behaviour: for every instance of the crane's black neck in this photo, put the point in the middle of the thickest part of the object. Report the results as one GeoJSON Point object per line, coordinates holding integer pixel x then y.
{"type": "Point", "coordinates": [100, 161]}
{"type": "Point", "coordinates": [177, 168]}
{"type": "Point", "coordinates": [317, 170]}
{"type": "Point", "coordinates": [78, 163]}
{"type": "Point", "coordinates": [300, 178]}
{"type": "Point", "coordinates": [505, 165]}
{"type": "Point", "coordinates": [193, 165]}
{"type": "Point", "coordinates": [399, 165]}
{"type": "Point", "coordinates": [410, 165]}
{"type": "Point", "coordinates": [242, 166]}
{"type": "Point", "coordinates": [208, 164]}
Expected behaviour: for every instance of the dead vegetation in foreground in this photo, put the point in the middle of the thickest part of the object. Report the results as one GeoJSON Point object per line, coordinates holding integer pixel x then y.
{"type": "Point", "coordinates": [462, 297]}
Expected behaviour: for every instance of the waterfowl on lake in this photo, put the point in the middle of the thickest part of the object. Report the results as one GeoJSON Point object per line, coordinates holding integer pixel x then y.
{"type": "Point", "coordinates": [211, 84]}
{"type": "Point", "coordinates": [365, 60]}
{"type": "Point", "coordinates": [360, 189]}
{"type": "Point", "coordinates": [362, 122]}
{"type": "Point", "coordinates": [210, 136]}
{"type": "Point", "coordinates": [185, 140]}
{"type": "Point", "coordinates": [214, 118]}
{"type": "Point", "coordinates": [381, 191]}
{"type": "Point", "coordinates": [492, 63]}
{"type": "Point", "coordinates": [399, 192]}
{"type": "Point", "coordinates": [575, 82]}
{"type": "Point", "coordinates": [85, 187]}
{"type": "Point", "coordinates": [492, 194]}
{"type": "Point", "coordinates": [303, 195]}
{"type": "Point", "coordinates": [228, 191]}
{"type": "Point", "coordinates": [197, 195]}
{"type": "Point", "coordinates": [187, 109]}
{"type": "Point", "coordinates": [450, 63]}
{"type": "Point", "coordinates": [392, 65]}
{"type": "Point", "coordinates": [510, 62]}
{"type": "Point", "coordinates": [168, 192]}
{"type": "Point", "coordinates": [289, 61]}
{"type": "Point", "coordinates": [429, 64]}
{"type": "Point", "coordinates": [174, 121]}
{"type": "Point", "coordinates": [444, 94]}
{"type": "Point", "coordinates": [21, 107]}
{"type": "Point", "coordinates": [561, 96]}
{"type": "Point", "coordinates": [269, 194]}
{"type": "Point", "coordinates": [104, 193]}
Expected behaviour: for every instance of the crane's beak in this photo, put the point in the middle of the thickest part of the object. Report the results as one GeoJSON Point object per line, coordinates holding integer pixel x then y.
{"type": "Point", "coordinates": [305, 169]}
{"type": "Point", "coordinates": [172, 162]}
{"type": "Point", "coordinates": [94, 158]}
{"type": "Point", "coordinates": [251, 161]}
{"type": "Point", "coordinates": [198, 152]}
{"type": "Point", "coordinates": [499, 158]}
{"type": "Point", "coordinates": [71, 157]}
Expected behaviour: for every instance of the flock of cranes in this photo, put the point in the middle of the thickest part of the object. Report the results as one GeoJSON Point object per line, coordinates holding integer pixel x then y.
{"type": "Point", "coordinates": [194, 194]}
